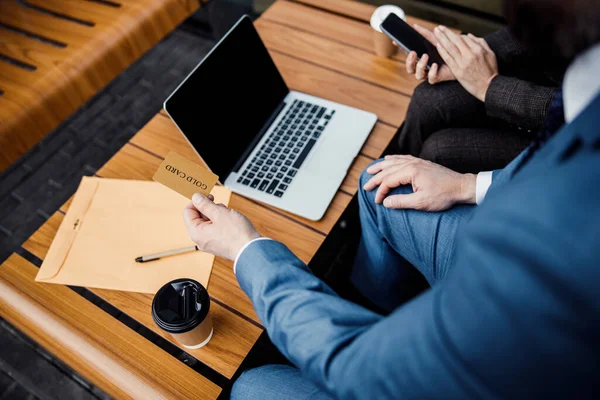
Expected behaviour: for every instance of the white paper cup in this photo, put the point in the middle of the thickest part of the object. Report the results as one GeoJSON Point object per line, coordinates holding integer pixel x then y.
{"type": "Point", "coordinates": [383, 46]}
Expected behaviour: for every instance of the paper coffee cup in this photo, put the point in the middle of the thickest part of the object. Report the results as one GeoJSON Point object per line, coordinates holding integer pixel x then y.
{"type": "Point", "coordinates": [180, 308]}
{"type": "Point", "coordinates": [382, 44]}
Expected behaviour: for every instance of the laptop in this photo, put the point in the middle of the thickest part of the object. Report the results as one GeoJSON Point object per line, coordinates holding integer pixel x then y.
{"type": "Point", "coordinates": [287, 149]}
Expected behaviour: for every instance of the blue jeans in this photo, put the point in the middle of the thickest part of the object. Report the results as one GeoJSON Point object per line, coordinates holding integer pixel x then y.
{"type": "Point", "coordinates": [392, 242]}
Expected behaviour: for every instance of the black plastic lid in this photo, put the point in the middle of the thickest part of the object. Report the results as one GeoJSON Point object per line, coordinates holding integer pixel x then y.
{"type": "Point", "coordinates": [180, 306]}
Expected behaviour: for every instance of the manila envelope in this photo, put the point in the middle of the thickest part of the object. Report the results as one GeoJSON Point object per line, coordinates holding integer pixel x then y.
{"type": "Point", "coordinates": [111, 222]}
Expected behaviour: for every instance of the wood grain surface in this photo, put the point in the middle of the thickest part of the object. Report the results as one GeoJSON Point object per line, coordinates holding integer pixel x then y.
{"type": "Point", "coordinates": [99, 347]}
{"type": "Point", "coordinates": [233, 336]}
{"type": "Point", "coordinates": [84, 45]}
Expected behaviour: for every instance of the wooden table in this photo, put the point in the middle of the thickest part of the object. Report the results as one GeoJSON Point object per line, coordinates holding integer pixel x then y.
{"type": "Point", "coordinates": [322, 47]}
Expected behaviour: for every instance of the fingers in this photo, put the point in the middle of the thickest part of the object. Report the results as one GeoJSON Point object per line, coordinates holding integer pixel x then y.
{"type": "Point", "coordinates": [191, 216]}
{"type": "Point", "coordinates": [389, 161]}
{"type": "Point", "coordinates": [404, 201]}
{"type": "Point", "coordinates": [448, 51]}
{"type": "Point", "coordinates": [448, 59]}
{"type": "Point", "coordinates": [411, 62]}
{"type": "Point", "coordinates": [456, 39]}
{"type": "Point", "coordinates": [482, 42]}
{"type": "Point", "coordinates": [206, 206]}
{"type": "Point", "coordinates": [396, 156]}
{"type": "Point", "coordinates": [472, 43]}
{"type": "Point", "coordinates": [378, 178]}
{"type": "Point", "coordinates": [426, 33]}
{"type": "Point", "coordinates": [421, 72]}
{"type": "Point", "coordinates": [432, 77]}
{"type": "Point", "coordinates": [400, 176]}
{"type": "Point", "coordinates": [445, 42]}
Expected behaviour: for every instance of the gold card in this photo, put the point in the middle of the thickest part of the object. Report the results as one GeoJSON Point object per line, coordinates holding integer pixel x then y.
{"type": "Point", "coordinates": [185, 177]}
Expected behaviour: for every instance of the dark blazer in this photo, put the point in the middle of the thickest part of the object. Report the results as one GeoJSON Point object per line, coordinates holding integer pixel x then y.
{"type": "Point", "coordinates": [518, 316]}
{"type": "Point", "coordinates": [522, 93]}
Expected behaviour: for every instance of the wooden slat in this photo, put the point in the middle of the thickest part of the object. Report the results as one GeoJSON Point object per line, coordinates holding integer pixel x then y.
{"type": "Point", "coordinates": [327, 25]}
{"type": "Point", "coordinates": [356, 9]}
{"type": "Point", "coordinates": [15, 14]}
{"type": "Point", "coordinates": [324, 225]}
{"type": "Point", "coordinates": [39, 243]}
{"type": "Point", "coordinates": [350, 184]}
{"type": "Point", "coordinates": [67, 77]}
{"type": "Point", "coordinates": [31, 51]}
{"type": "Point", "coordinates": [160, 136]}
{"type": "Point", "coordinates": [378, 141]}
{"type": "Point", "coordinates": [352, 61]}
{"type": "Point", "coordinates": [106, 352]}
{"type": "Point", "coordinates": [302, 76]}
{"type": "Point", "coordinates": [356, 33]}
{"type": "Point", "coordinates": [88, 11]}
{"type": "Point", "coordinates": [231, 342]}
{"type": "Point", "coordinates": [353, 9]}
{"type": "Point", "coordinates": [30, 99]}
{"type": "Point", "coordinates": [233, 337]}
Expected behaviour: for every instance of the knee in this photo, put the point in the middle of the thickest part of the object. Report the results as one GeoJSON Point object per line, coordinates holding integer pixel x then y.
{"type": "Point", "coordinates": [440, 98]}
{"type": "Point", "coordinates": [252, 383]}
{"type": "Point", "coordinates": [365, 176]}
{"type": "Point", "coordinates": [423, 93]}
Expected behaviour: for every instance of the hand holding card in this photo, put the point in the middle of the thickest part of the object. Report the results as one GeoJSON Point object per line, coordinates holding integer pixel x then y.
{"type": "Point", "coordinates": [185, 177]}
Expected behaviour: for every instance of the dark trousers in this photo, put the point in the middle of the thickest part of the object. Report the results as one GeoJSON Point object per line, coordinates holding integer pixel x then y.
{"type": "Point", "coordinates": [446, 125]}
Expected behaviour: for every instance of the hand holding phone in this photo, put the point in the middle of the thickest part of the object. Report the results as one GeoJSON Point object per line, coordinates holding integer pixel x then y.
{"type": "Point", "coordinates": [418, 66]}
{"type": "Point", "coordinates": [419, 43]}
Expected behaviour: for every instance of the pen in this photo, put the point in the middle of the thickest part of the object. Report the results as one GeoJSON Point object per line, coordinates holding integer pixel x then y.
{"type": "Point", "coordinates": [158, 256]}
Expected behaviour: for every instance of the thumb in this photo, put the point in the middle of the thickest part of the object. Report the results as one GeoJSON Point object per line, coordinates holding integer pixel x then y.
{"type": "Point", "coordinates": [205, 206]}
{"type": "Point", "coordinates": [404, 201]}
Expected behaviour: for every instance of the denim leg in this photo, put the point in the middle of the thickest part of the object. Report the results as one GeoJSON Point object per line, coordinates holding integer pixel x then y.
{"type": "Point", "coordinates": [393, 240]}
{"type": "Point", "coordinates": [276, 382]}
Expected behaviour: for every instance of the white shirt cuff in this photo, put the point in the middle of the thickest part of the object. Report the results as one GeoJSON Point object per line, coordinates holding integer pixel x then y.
{"type": "Point", "coordinates": [244, 248]}
{"type": "Point", "coordinates": [482, 184]}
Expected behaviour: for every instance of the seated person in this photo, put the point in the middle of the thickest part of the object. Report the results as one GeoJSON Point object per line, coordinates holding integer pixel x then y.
{"type": "Point", "coordinates": [480, 113]}
{"type": "Point", "coordinates": [513, 311]}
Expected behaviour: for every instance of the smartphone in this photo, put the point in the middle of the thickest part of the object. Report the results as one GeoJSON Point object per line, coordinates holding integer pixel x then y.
{"type": "Point", "coordinates": [409, 39]}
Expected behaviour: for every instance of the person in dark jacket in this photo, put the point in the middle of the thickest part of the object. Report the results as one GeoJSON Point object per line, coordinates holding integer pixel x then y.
{"type": "Point", "coordinates": [484, 123]}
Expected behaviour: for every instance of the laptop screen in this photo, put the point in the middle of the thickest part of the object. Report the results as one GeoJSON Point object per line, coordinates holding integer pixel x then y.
{"type": "Point", "coordinates": [224, 103]}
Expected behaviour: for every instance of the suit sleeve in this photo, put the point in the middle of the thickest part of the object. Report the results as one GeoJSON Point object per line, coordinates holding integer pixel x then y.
{"type": "Point", "coordinates": [522, 102]}
{"type": "Point", "coordinates": [519, 103]}
{"type": "Point", "coordinates": [509, 52]}
{"type": "Point", "coordinates": [461, 339]}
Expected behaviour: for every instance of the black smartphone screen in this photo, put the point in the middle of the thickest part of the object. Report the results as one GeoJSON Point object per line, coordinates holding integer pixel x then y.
{"type": "Point", "coordinates": [409, 39]}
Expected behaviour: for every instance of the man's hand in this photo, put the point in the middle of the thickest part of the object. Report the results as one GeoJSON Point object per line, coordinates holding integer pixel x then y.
{"type": "Point", "coordinates": [216, 229]}
{"type": "Point", "coordinates": [418, 67]}
{"type": "Point", "coordinates": [470, 59]}
{"type": "Point", "coordinates": [435, 188]}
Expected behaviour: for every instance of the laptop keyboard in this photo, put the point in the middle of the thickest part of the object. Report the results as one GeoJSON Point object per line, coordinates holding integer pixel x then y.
{"type": "Point", "coordinates": [275, 165]}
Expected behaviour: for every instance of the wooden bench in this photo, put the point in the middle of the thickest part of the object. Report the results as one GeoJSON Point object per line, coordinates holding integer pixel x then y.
{"type": "Point", "coordinates": [56, 54]}
{"type": "Point", "coordinates": [322, 48]}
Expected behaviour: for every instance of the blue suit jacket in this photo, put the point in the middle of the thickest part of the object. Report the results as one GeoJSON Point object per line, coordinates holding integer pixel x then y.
{"type": "Point", "coordinates": [517, 316]}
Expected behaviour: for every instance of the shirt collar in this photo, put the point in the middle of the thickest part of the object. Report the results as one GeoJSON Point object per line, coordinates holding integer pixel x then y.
{"type": "Point", "coordinates": [581, 83]}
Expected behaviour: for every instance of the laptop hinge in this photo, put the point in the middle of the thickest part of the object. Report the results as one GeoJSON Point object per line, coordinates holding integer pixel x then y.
{"type": "Point", "coordinates": [258, 137]}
